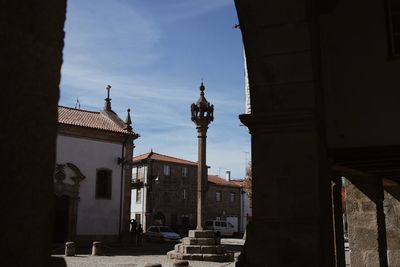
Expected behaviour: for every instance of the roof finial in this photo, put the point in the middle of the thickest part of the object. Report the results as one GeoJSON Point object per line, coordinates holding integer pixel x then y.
{"type": "Point", "coordinates": [107, 105]}
{"type": "Point", "coordinates": [128, 121]}
{"type": "Point", "coordinates": [77, 104]}
{"type": "Point", "coordinates": [202, 87]}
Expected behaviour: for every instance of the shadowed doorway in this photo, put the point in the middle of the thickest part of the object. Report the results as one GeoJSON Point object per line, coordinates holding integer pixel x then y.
{"type": "Point", "coordinates": [61, 219]}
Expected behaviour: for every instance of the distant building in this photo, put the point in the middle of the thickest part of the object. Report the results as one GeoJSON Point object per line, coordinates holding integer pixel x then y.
{"type": "Point", "coordinates": [92, 179]}
{"type": "Point", "coordinates": [164, 192]}
{"type": "Point", "coordinates": [223, 201]}
{"type": "Point", "coordinates": [245, 205]}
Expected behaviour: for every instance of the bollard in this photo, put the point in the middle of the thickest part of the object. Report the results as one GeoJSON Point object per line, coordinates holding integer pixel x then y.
{"type": "Point", "coordinates": [97, 248]}
{"type": "Point", "coordinates": [70, 249]}
{"type": "Point", "coordinates": [181, 264]}
{"type": "Point", "coordinates": [153, 265]}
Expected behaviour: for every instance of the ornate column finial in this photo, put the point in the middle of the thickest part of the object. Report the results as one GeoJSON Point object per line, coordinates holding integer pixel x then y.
{"type": "Point", "coordinates": [128, 121]}
{"type": "Point", "coordinates": [107, 105]}
{"type": "Point", "coordinates": [202, 88]}
{"type": "Point", "coordinates": [202, 110]}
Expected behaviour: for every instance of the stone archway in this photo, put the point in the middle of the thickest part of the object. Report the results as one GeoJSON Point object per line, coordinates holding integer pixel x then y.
{"type": "Point", "coordinates": [67, 180]}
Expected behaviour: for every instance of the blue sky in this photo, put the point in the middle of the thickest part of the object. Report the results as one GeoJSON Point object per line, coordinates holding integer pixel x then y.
{"type": "Point", "coordinates": [154, 55]}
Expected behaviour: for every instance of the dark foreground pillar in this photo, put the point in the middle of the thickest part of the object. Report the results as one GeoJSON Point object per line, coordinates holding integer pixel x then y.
{"type": "Point", "coordinates": [32, 36]}
{"type": "Point", "coordinates": [292, 207]}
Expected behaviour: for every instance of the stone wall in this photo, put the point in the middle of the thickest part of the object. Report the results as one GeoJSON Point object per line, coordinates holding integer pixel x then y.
{"type": "Point", "coordinates": [167, 193]}
{"type": "Point", "coordinates": [366, 221]}
{"type": "Point", "coordinates": [391, 206]}
{"type": "Point", "coordinates": [167, 196]}
{"type": "Point", "coordinates": [224, 207]}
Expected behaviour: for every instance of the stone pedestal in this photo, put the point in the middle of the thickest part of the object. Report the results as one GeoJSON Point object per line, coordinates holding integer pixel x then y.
{"type": "Point", "coordinates": [70, 249]}
{"type": "Point", "coordinates": [201, 245]}
{"type": "Point", "coordinates": [97, 248]}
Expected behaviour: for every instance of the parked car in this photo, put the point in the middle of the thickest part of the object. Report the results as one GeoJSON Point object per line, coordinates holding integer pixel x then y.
{"type": "Point", "coordinates": [220, 227]}
{"type": "Point", "coordinates": [183, 231]}
{"type": "Point", "coordinates": [161, 233]}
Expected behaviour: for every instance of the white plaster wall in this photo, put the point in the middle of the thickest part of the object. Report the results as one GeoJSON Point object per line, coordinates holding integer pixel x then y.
{"type": "Point", "coordinates": [95, 216]}
{"type": "Point", "coordinates": [135, 206]}
{"type": "Point", "coordinates": [245, 209]}
{"type": "Point", "coordinates": [141, 206]}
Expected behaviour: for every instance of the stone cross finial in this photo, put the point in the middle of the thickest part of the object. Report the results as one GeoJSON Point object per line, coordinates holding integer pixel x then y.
{"type": "Point", "coordinates": [108, 90]}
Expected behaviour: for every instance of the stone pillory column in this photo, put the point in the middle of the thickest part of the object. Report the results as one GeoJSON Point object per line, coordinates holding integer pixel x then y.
{"type": "Point", "coordinates": [201, 245]}
{"type": "Point", "coordinates": [202, 114]}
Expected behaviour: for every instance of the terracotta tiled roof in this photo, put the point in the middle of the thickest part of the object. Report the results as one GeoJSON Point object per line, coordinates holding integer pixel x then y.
{"type": "Point", "coordinates": [219, 181]}
{"type": "Point", "coordinates": [238, 182]}
{"type": "Point", "coordinates": [160, 157]}
{"type": "Point", "coordinates": [107, 121]}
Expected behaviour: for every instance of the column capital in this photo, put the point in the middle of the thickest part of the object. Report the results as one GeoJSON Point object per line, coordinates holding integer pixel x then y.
{"type": "Point", "coordinates": [280, 121]}
{"type": "Point", "coordinates": [202, 130]}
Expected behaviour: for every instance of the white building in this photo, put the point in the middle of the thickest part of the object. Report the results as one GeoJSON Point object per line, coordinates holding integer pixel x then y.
{"type": "Point", "coordinates": [245, 205]}
{"type": "Point", "coordinates": [92, 180]}
{"type": "Point", "coordinates": [246, 86]}
{"type": "Point", "coordinates": [139, 205]}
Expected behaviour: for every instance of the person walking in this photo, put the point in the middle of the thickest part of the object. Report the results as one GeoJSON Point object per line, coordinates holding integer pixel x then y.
{"type": "Point", "coordinates": [139, 232]}
{"type": "Point", "coordinates": [133, 231]}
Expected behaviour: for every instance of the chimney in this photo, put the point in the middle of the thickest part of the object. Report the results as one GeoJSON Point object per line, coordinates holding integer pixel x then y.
{"type": "Point", "coordinates": [228, 175]}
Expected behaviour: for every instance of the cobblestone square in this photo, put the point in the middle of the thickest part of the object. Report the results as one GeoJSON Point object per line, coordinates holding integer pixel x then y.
{"type": "Point", "coordinates": [130, 256]}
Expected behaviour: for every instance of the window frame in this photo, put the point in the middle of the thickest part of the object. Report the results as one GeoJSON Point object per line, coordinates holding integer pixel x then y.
{"type": "Point", "coordinates": [107, 194]}
{"type": "Point", "coordinates": [167, 170]}
{"type": "Point", "coordinates": [218, 196]}
{"type": "Point", "coordinates": [393, 49]}
{"type": "Point", "coordinates": [138, 196]}
{"type": "Point", "coordinates": [232, 197]}
{"type": "Point", "coordinates": [185, 171]}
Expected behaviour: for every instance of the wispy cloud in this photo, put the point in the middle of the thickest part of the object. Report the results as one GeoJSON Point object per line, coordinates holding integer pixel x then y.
{"type": "Point", "coordinates": [93, 27]}
{"type": "Point", "coordinates": [115, 42]}
{"type": "Point", "coordinates": [178, 10]}
{"type": "Point", "coordinates": [188, 9]}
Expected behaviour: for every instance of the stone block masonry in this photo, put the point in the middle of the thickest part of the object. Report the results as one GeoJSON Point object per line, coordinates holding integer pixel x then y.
{"type": "Point", "coordinates": [201, 246]}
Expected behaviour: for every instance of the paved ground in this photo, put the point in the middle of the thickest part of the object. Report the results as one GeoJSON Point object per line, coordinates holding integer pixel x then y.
{"type": "Point", "coordinates": [139, 256]}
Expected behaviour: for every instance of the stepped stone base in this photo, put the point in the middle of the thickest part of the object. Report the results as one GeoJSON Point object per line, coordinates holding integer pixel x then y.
{"type": "Point", "coordinates": [201, 245]}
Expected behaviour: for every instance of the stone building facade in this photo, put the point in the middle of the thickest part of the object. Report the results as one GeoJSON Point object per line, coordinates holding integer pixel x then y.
{"type": "Point", "coordinates": [224, 201]}
{"type": "Point", "coordinates": [164, 191]}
